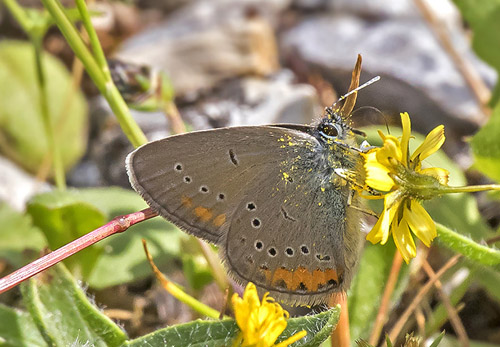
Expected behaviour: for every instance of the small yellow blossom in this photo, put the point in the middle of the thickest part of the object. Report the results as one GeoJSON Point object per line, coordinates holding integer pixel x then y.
{"type": "Point", "coordinates": [261, 323]}
{"type": "Point", "coordinates": [392, 170]}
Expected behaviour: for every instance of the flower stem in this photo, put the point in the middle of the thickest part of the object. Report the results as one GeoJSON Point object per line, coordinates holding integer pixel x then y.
{"type": "Point", "coordinates": [469, 189]}
{"type": "Point", "coordinates": [93, 39]}
{"type": "Point", "coordinates": [96, 67]}
{"type": "Point", "coordinates": [464, 245]}
{"type": "Point", "coordinates": [117, 225]}
{"type": "Point", "coordinates": [54, 149]}
{"type": "Point", "coordinates": [19, 14]}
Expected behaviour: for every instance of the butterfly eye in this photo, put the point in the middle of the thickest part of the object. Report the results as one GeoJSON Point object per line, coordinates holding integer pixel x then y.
{"type": "Point", "coordinates": [330, 130]}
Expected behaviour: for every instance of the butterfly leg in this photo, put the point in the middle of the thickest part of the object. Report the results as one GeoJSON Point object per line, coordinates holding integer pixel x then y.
{"type": "Point", "coordinates": [350, 177]}
{"type": "Point", "coordinates": [351, 205]}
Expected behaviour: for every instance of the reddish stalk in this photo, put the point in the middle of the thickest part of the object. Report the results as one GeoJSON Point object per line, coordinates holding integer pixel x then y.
{"type": "Point", "coordinates": [117, 225]}
{"type": "Point", "coordinates": [386, 298]}
{"type": "Point", "coordinates": [341, 336]}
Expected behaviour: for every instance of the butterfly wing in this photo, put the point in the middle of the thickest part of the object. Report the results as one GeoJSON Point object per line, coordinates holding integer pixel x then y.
{"type": "Point", "coordinates": [196, 180]}
{"type": "Point", "coordinates": [265, 195]}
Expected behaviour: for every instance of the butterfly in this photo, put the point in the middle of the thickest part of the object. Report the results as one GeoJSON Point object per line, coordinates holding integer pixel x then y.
{"type": "Point", "coordinates": [276, 199]}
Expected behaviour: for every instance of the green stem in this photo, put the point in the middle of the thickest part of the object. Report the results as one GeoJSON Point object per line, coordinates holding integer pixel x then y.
{"type": "Point", "coordinates": [469, 189]}
{"type": "Point", "coordinates": [196, 305]}
{"type": "Point", "coordinates": [19, 14]}
{"type": "Point", "coordinates": [94, 40]}
{"type": "Point", "coordinates": [100, 78]}
{"type": "Point", "coordinates": [75, 41]}
{"type": "Point", "coordinates": [467, 247]}
{"type": "Point", "coordinates": [177, 292]}
{"type": "Point", "coordinates": [54, 149]}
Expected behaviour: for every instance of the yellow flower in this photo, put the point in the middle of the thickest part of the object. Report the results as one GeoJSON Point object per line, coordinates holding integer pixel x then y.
{"type": "Point", "coordinates": [391, 169]}
{"type": "Point", "coordinates": [261, 323]}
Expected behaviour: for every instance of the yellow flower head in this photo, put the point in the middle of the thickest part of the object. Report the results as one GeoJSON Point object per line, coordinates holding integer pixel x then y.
{"type": "Point", "coordinates": [261, 323]}
{"type": "Point", "coordinates": [392, 170]}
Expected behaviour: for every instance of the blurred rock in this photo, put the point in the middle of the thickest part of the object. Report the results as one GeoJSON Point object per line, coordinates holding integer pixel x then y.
{"type": "Point", "coordinates": [208, 41]}
{"type": "Point", "coordinates": [254, 101]}
{"type": "Point", "coordinates": [418, 76]}
{"type": "Point", "coordinates": [16, 186]}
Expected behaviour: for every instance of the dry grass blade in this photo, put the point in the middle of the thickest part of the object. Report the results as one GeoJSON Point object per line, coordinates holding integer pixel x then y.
{"type": "Point", "coordinates": [455, 320]}
{"type": "Point", "coordinates": [476, 84]}
{"type": "Point", "coordinates": [350, 101]}
{"type": "Point", "coordinates": [418, 298]}
{"type": "Point", "coordinates": [176, 124]}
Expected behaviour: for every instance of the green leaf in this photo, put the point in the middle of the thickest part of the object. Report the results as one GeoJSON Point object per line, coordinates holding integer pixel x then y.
{"type": "Point", "coordinates": [318, 327]}
{"type": "Point", "coordinates": [17, 329]}
{"type": "Point", "coordinates": [388, 340]}
{"type": "Point", "coordinates": [465, 246]}
{"type": "Point", "coordinates": [63, 314]}
{"type": "Point", "coordinates": [63, 218]}
{"type": "Point", "coordinates": [197, 333]}
{"type": "Point", "coordinates": [21, 241]}
{"type": "Point", "coordinates": [484, 19]}
{"type": "Point", "coordinates": [222, 333]}
{"type": "Point", "coordinates": [486, 147]}
{"type": "Point", "coordinates": [22, 134]}
{"type": "Point", "coordinates": [123, 255]}
{"type": "Point", "coordinates": [196, 271]}
{"type": "Point", "coordinates": [488, 277]}
{"type": "Point", "coordinates": [438, 339]}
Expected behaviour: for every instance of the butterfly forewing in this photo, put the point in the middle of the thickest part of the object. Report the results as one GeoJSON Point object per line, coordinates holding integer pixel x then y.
{"type": "Point", "coordinates": [196, 180]}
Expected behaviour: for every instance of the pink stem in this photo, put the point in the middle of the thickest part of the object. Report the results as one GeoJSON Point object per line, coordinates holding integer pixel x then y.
{"type": "Point", "coordinates": [117, 225]}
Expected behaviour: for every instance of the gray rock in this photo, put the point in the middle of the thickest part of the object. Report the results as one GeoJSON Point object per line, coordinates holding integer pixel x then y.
{"type": "Point", "coordinates": [254, 101]}
{"type": "Point", "coordinates": [208, 41]}
{"type": "Point", "coordinates": [418, 76]}
{"type": "Point", "coordinates": [16, 186]}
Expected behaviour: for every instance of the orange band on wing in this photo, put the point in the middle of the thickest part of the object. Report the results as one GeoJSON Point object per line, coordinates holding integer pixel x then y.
{"type": "Point", "coordinates": [205, 214]}
{"type": "Point", "coordinates": [301, 278]}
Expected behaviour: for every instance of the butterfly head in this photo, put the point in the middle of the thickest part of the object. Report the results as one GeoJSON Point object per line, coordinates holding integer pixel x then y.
{"type": "Point", "coordinates": [332, 128]}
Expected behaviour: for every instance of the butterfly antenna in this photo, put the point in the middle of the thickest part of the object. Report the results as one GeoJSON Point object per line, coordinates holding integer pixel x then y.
{"type": "Point", "coordinates": [366, 84]}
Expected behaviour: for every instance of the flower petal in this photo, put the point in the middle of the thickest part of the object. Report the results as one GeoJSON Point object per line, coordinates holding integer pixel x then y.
{"type": "Point", "coordinates": [381, 230]}
{"type": "Point", "coordinates": [420, 223]}
{"type": "Point", "coordinates": [431, 144]}
{"type": "Point", "coordinates": [403, 240]}
{"type": "Point", "coordinates": [390, 152]}
{"type": "Point", "coordinates": [292, 339]}
{"type": "Point", "coordinates": [378, 234]}
{"type": "Point", "coordinates": [405, 139]}
{"type": "Point", "coordinates": [377, 177]}
{"type": "Point", "coordinates": [440, 174]}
